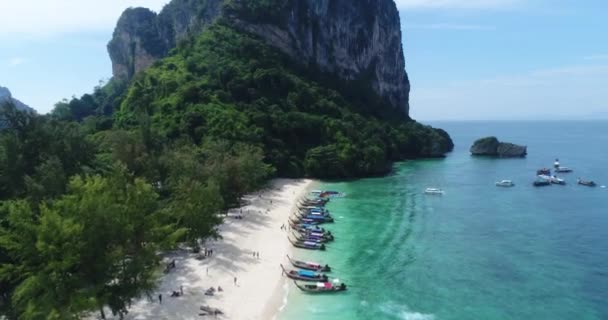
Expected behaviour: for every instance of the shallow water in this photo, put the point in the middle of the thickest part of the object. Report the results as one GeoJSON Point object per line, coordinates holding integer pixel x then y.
{"type": "Point", "coordinates": [479, 251]}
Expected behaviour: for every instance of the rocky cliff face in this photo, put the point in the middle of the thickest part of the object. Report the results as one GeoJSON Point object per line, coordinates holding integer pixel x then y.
{"type": "Point", "coordinates": [356, 40]}
{"type": "Point", "coordinates": [5, 95]}
{"type": "Point", "coordinates": [141, 36]}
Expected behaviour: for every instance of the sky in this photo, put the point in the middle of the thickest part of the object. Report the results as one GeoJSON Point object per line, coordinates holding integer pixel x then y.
{"type": "Point", "coordinates": [466, 59]}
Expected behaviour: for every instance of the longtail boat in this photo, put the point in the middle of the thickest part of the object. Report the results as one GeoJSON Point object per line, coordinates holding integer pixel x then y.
{"type": "Point", "coordinates": [314, 202]}
{"type": "Point", "coordinates": [313, 234]}
{"type": "Point", "coordinates": [307, 245]}
{"type": "Point", "coordinates": [321, 287]}
{"type": "Point", "coordinates": [303, 227]}
{"type": "Point", "coordinates": [309, 265]}
{"type": "Point", "coordinates": [305, 238]}
{"type": "Point", "coordinates": [327, 194]}
{"type": "Point", "coordinates": [314, 217]}
{"type": "Point", "coordinates": [315, 212]}
{"type": "Point", "coordinates": [304, 221]}
{"type": "Point", "coordinates": [304, 275]}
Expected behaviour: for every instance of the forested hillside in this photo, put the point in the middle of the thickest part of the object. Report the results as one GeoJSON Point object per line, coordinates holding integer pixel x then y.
{"type": "Point", "coordinates": [91, 193]}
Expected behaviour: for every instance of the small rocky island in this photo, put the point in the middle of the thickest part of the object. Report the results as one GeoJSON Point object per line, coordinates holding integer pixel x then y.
{"type": "Point", "coordinates": [490, 146]}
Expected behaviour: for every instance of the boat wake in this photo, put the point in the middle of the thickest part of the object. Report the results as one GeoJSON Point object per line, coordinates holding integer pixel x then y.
{"type": "Point", "coordinates": [403, 312]}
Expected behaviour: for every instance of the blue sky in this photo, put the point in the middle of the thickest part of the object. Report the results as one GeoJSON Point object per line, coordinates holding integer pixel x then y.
{"type": "Point", "coordinates": [467, 59]}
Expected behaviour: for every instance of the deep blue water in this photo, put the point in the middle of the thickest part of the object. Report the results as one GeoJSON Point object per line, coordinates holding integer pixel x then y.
{"type": "Point", "coordinates": [479, 251]}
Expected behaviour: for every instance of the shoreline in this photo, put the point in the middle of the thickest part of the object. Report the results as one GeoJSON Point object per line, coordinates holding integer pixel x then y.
{"type": "Point", "coordinates": [253, 288]}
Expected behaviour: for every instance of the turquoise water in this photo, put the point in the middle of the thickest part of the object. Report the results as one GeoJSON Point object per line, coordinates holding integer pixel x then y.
{"type": "Point", "coordinates": [478, 252]}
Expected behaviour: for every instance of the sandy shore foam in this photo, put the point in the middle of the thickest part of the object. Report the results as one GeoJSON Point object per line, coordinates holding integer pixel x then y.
{"type": "Point", "coordinates": [259, 290]}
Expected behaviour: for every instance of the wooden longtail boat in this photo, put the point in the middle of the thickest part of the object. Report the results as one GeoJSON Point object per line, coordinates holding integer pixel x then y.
{"type": "Point", "coordinates": [312, 203]}
{"type": "Point", "coordinates": [313, 234]}
{"type": "Point", "coordinates": [310, 239]}
{"type": "Point", "coordinates": [307, 245]}
{"type": "Point", "coordinates": [314, 217]}
{"type": "Point", "coordinates": [308, 227]}
{"type": "Point", "coordinates": [304, 275]}
{"type": "Point", "coordinates": [321, 287]}
{"type": "Point", "coordinates": [309, 265]}
{"type": "Point", "coordinates": [304, 221]}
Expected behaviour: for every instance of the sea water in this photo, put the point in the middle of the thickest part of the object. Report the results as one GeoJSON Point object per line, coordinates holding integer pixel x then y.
{"type": "Point", "coordinates": [479, 251]}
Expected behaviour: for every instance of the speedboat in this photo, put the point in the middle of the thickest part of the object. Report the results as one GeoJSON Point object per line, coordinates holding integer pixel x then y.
{"type": "Point", "coordinates": [434, 191]}
{"type": "Point", "coordinates": [588, 183]}
{"type": "Point", "coordinates": [541, 183]}
{"type": "Point", "coordinates": [563, 169]}
{"type": "Point", "coordinates": [505, 183]}
{"type": "Point", "coordinates": [552, 179]}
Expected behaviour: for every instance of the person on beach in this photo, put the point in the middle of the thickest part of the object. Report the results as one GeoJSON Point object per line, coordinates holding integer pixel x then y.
{"type": "Point", "coordinates": [181, 290]}
{"type": "Point", "coordinates": [235, 281]}
{"type": "Point", "coordinates": [160, 299]}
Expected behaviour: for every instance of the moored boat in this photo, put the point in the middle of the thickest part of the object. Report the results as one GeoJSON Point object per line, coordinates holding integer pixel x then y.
{"type": "Point", "coordinates": [296, 221]}
{"type": "Point", "coordinates": [328, 194]}
{"type": "Point", "coordinates": [308, 238]}
{"type": "Point", "coordinates": [313, 266]}
{"type": "Point", "coordinates": [306, 227]}
{"type": "Point", "coordinates": [314, 217]}
{"type": "Point", "coordinates": [307, 245]}
{"type": "Point", "coordinates": [312, 234]}
{"type": "Point", "coordinates": [314, 202]}
{"type": "Point", "coordinates": [587, 183]}
{"type": "Point", "coordinates": [563, 169]}
{"type": "Point", "coordinates": [552, 179]}
{"type": "Point", "coordinates": [541, 183]}
{"type": "Point", "coordinates": [304, 275]}
{"type": "Point", "coordinates": [321, 287]}
{"type": "Point", "coordinates": [543, 171]}
{"type": "Point", "coordinates": [434, 191]}
{"type": "Point", "coordinates": [505, 183]}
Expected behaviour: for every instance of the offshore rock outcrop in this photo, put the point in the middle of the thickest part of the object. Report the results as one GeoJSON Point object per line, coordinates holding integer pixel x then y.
{"type": "Point", "coordinates": [355, 40]}
{"type": "Point", "coordinates": [490, 146]}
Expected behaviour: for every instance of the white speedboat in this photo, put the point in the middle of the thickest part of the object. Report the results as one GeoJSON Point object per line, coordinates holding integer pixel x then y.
{"type": "Point", "coordinates": [563, 169]}
{"type": "Point", "coordinates": [434, 191]}
{"type": "Point", "coordinates": [505, 183]}
{"type": "Point", "coordinates": [552, 179]}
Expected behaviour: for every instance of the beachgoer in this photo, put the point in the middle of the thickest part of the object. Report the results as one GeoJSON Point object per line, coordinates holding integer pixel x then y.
{"type": "Point", "coordinates": [207, 270]}
{"type": "Point", "coordinates": [160, 299]}
{"type": "Point", "coordinates": [219, 289]}
{"type": "Point", "coordinates": [235, 281]}
{"type": "Point", "coordinates": [181, 290]}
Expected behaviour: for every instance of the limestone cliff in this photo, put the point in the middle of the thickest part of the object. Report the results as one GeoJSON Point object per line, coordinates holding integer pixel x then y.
{"type": "Point", "coordinates": [5, 95]}
{"type": "Point", "coordinates": [356, 40]}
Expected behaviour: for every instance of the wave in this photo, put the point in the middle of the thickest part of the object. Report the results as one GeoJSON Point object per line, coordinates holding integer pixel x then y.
{"type": "Point", "coordinates": [403, 312]}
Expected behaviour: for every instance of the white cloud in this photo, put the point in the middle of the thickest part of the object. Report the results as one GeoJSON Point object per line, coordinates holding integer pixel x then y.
{"type": "Point", "coordinates": [49, 17]}
{"type": "Point", "coordinates": [448, 26]}
{"type": "Point", "coordinates": [455, 4]}
{"type": "Point", "coordinates": [16, 61]}
{"type": "Point", "coordinates": [568, 92]}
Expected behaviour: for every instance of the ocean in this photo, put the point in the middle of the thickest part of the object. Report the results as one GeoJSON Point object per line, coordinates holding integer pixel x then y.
{"type": "Point", "coordinates": [479, 251]}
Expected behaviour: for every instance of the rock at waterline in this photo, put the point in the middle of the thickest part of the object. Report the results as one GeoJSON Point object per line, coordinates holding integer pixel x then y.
{"type": "Point", "coordinates": [490, 146]}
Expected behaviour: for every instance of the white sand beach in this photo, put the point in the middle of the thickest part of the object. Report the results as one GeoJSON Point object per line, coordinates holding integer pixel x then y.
{"type": "Point", "coordinates": [257, 293]}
